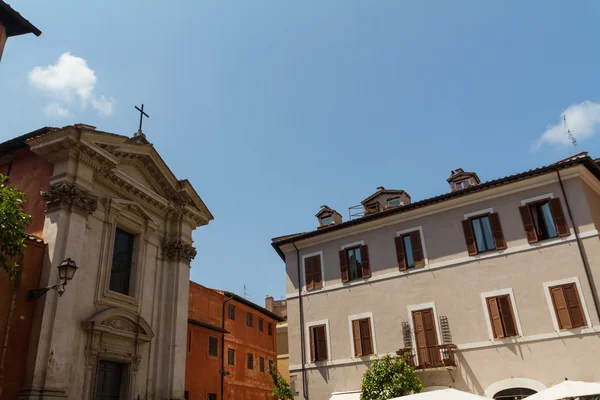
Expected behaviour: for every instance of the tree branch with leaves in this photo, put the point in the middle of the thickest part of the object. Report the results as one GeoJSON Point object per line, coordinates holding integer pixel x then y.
{"type": "Point", "coordinates": [13, 220]}
{"type": "Point", "coordinates": [281, 389]}
{"type": "Point", "coordinates": [389, 377]}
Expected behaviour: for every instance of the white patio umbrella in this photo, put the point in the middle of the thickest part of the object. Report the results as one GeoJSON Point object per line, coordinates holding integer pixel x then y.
{"type": "Point", "coordinates": [445, 394]}
{"type": "Point", "coordinates": [567, 389]}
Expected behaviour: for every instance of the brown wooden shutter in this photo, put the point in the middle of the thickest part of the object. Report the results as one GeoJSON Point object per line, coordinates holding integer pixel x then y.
{"type": "Point", "coordinates": [364, 260]}
{"type": "Point", "coordinates": [317, 275]}
{"type": "Point", "coordinates": [559, 217]}
{"type": "Point", "coordinates": [574, 305]}
{"type": "Point", "coordinates": [308, 273]}
{"type": "Point", "coordinates": [528, 224]}
{"type": "Point", "coordinates": [321, 338]}
{"type": "Point", "coordinates": [417, 249]}
{"type": "Point", "coordinates": [431, 336]}
{"type": "Point", "coordinates": [499, 241]}
{"type": "Point", "coordinates": [365, 336]}
{"type": "Point", "coordinates": [421, 338]}
{"type": "Point", "coordinates": [561, 308]}
{"type": "Point", "coordinates": [356, 337]}
{"type": "Point", "coordinates": [400, 253]}
{"type": "Point", "coordinates": [313, 345]}
{"type": "Point", "coordinates": [344, 265]}
{"type": "Point", "coordinates": [510, 327]}
{"type": "Point", "coordinates": [469, 237]}
{"type": "Point", "coordinates": [495, 317]}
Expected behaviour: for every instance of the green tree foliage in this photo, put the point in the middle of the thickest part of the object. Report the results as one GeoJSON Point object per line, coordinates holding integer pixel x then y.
{"type": "Point", "coordinates": [13, 220]}
{"type": "Point", "coordinates": [281, 389]}
{"type": "Point", "coordinates": [389, 377]}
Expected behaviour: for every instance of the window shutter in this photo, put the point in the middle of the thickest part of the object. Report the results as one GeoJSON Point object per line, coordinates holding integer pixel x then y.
{"type": "Point", "coordinates": [559, 218]}
{"type": "Point", "coordinates": [495, 318]}
{"type": "Point", "coordinates": [317, 278]}
{"type": "Point", "coordinates": [365, 336]}
{"type": "Point", "coordinates": [417, 248]}
{"type": "Point", "coordinates": [400, 253]}
{"type": "Point", "coordinates": [528, 224]}
{"type": "Point", "coordinates": [421, 338]}
{"type": "Point", "coordinates": [356, 336]}
{"type": "Point", "coordinates": [499, 241]}
{"type": "Point", "coordinates": [308, 273]}
{"type": "Point", "coordinates": [344, 265]}
{"type": "Point", "coordinates": [321, 337]}
{"type": "Point", "coordinates": [561, 308]}
{"type": "Point", "coordinates": [364, 261]}
{"type": "Point", "coordinates": [574, 305]}
{"type": "Point", "coordinates": [510, 327]}
{"type": "Point", "coordinates": [312, 335]}
{"type": "Point", "coordinates": [469, 237]}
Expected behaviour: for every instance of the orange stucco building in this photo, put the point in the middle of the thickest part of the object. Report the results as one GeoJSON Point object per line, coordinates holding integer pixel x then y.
{"type": "Point", "coordinates": [247, 339]}
{"type": "Point", "coordinates": [29, 173]}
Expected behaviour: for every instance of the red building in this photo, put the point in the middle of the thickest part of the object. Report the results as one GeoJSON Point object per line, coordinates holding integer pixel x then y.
{"type": "Point", "coordinates": [30, 173]}
{"type": "Point", "coordinates": [246, 339]}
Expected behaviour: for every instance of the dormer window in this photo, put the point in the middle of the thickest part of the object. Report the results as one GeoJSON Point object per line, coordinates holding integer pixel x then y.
{"type": "Point", "coordinates": [393, 202]}
{"type": "Point", "coordinates": [326, 221]}
{"type": "Point", "coordinates": [462, 184]}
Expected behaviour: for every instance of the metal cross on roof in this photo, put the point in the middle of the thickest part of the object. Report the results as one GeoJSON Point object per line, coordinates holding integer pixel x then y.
{"type": "Point", "coordinates": [142, 113]}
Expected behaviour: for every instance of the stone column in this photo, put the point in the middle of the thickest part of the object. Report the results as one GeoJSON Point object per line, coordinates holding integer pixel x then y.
{"type": "Point", "coordinates": [52, 351]}
{"type": "Point", "coordinates": [179, 254]}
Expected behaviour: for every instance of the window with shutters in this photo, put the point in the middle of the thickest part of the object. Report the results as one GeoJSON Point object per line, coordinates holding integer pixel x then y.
{"type": "Point", "coordinates": [354, 263]}
{"type": "Point", "coordinates": [261, 325]}
{"type": "Point", "coordinates": [213, 346]}
{"type": "Point", "coordinates": [567, 306]}
{"type": "Point", "coordinates": [230, 356]}
{"type": "Point", "coordinates": [231, 312]}
{"type": "Point", "coordinates": [261, 364]}
{"type": "Point", "coordinates": [409, 250]}
{"type": "Point", "coordinates": [122, 262]}
{"type": "Point", "coordinates": [362, 337]}
{"type": "Point", "coordinates": [318, 343]}
{"type": "Point", "coordinates": [249, 320]}
{"type": "Point", "coordinates": [270, 329]}
{"type": "Point", "coordinates": [502, 318]}
{"type": "Point", "coordinates": [544, 220]}
{"type": "Point", "coordinates": [250, 361]}
{"type": "Point", "coordinates": [313, 278]}
{"type": "Point", "coordinates": [483, 233]}
{"type": "Point", "coordinates": [426, 335]}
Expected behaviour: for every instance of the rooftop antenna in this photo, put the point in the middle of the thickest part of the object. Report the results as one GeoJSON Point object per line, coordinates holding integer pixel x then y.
{"type": "Point", "coordinates": [245, 293]}
{"type": "Point", "coordinates": [568, 132]}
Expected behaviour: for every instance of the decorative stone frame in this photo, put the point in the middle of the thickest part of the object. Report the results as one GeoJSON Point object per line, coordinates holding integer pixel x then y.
{"type": "Point", "coordinates": [130, 217]}
{"type": "Point", "coordinates": [114, 335]}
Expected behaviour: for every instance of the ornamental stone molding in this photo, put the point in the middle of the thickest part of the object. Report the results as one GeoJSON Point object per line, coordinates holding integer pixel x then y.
{"type": "Point", "coordinates": [176, 250]}
{"type": "Point", "coordinates": [70, 197]}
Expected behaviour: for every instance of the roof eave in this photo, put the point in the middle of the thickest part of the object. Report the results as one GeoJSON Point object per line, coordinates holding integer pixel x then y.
{"type": "Point", "coordinates": [15, 18]}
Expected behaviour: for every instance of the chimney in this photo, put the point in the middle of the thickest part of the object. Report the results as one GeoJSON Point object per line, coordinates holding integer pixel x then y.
{"type": "Point", "coordinates": [270, 303]}
{"type": "Point", "coordinates": [380, 188]}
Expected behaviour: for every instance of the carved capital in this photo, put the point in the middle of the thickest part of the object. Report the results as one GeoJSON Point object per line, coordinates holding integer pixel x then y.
{"type": "Point", "coordinates": [70, 197]}
{"type": "Point", "coordinates": [176, 250]}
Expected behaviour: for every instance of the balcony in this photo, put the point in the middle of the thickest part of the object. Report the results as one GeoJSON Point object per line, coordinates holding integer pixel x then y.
{"type": "Point", "coordinates": [431, 357]}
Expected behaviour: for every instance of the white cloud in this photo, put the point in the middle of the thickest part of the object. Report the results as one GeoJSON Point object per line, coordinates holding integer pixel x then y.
{"type": "Point", "coordinates": [55, 110]}
{"type": "Point", "coordinates": [583, 121]}
{"type": "Point", "coordinates": [70, 81]}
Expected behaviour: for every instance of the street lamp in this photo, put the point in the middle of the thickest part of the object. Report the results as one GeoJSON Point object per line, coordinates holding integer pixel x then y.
{"type": "Point", "coordinates": [66, 271]}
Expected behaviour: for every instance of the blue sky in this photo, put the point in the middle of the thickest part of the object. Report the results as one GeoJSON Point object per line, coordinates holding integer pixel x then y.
{"type": "Point", "coordinates": [273, 108]}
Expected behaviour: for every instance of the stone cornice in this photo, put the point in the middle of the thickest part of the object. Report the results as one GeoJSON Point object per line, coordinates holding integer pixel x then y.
{"type": "Point", "coordinates": [69, 197]}
{"type": "Point", "coordinates": [178, 251]}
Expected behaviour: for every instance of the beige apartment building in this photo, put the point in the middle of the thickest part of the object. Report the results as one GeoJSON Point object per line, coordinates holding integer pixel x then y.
{"type": "Point", "coordinates": [279, 307]}
{"type": "Point", "coordinates": [488, 288]}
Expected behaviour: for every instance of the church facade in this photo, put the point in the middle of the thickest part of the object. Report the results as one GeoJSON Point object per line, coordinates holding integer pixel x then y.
{"type": "Point", "coordinates": [112, 205]}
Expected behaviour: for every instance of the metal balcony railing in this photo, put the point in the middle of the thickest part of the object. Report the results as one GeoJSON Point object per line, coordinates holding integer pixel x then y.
{"type": "Point", "coordinates": [438, 356]}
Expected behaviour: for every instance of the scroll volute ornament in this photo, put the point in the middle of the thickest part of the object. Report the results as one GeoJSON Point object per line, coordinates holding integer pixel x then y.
{"type": "Point", "coordinates": [177, 250]}
{"type": "Point", "coordinates": [69, 197]}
